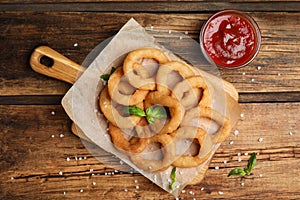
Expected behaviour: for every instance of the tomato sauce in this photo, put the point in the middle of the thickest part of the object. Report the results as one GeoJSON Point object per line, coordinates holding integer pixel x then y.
{"type": "Point", "coordinates": [230, 39]}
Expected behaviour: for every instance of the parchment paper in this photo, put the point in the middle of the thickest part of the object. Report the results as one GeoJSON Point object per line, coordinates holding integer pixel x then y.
{"type": "Point", "coordinates": [81, 102]}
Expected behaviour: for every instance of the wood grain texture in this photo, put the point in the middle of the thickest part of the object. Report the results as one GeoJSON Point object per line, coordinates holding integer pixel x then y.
{"type": "Point", "coordinates": [33, 152]}
{"type": "Point", "coordinates": [278, 58]}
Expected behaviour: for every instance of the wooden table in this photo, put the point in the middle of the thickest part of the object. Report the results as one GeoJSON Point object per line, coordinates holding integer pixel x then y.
{"type": "Point", "coordinates": [41, 159]}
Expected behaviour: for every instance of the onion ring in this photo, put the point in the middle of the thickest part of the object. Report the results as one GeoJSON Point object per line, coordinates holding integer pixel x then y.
{"type": "Point", "coordinates": [192, 133]}
{"type": "Point", "coordinates": [151, 165]}
{"type": "Point", "coordinates": [112, 115]}
{"type": "Point", "coordinates": [205, 112]}
{"type": "Point", "coordinates": [134, 97]}
{"type": "Point", "coordinates": [131, 64]}
{"type": "Point", "coordinates": [175, 108]}
{"type": "Point", "coordinates": [188, 84]}
{"type": "Point", "coordinates": [164, 70]}
{"type": "Point", "coordinates": [131, 145]}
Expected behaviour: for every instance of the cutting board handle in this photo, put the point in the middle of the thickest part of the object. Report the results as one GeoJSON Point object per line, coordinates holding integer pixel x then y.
{"type": "Point", "coordinates": [60, 67]}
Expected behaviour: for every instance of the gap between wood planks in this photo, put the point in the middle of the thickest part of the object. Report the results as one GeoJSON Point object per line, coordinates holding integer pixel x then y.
{"type": "Point", "coordinates": [153, 7]}
{"type": "Point", "coordinates": [268, 97]}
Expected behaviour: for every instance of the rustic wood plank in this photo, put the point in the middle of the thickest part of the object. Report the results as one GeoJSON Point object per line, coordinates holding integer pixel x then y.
{"type": "Point", "coordinates": [31, 159]}
{"type": "Point", "coordinates": [146, 6]}
{"type": "Point", "coordinates": [278, 58]}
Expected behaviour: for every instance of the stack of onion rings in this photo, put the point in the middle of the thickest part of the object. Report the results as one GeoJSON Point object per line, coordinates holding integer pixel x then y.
{"type": "Point", "coordinates": [189, 98]}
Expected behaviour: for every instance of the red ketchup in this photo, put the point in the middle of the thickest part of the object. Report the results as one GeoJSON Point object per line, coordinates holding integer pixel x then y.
{"type": "Point", "coordinates": [230, 39]}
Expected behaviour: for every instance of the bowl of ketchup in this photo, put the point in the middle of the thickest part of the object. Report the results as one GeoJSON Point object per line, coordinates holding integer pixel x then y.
{"type": "Point", "coordinates": [230, 39]}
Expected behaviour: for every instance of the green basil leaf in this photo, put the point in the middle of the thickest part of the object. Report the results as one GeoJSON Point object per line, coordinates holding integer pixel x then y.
{"type": "Point", "coordinates": [105, 77]}
{"type": "Point", "coordinates": [237, 172]}
{"type": "Point", "coordinates": [173, 178]}
{"type": "Point", "coordinates": [134, 110]}
{"type": "Point", "coordinates": [251, 163]}
{"type": "Point", "coordinates": [159, 112]}
{"type": "Point", "coordinates": [150, 119]}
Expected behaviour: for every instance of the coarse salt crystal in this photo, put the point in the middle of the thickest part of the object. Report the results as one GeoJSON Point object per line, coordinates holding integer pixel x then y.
{"type": "Point", "coordinates": [239, 154]}
{"type": "Point", "coordinates": [202, 188]}
{"type": "Point", "coordinates": [135, 181]}
{"type": "Point", "coordinates": [258, 68]}
{"type": "Point", "coordinates": [183, 191]}
{"type": "Point", "coordinates": [52, 112]}
{"type": "Point", "coordinates": [225, 161]}
{"type": "Point", "coordinates": [180, 38]}
{"type": "Point", "coordinates": [64, 193]}
{"type": "Point", "coordinates": [60, 173]}
{"type": "Point", "coordinates": [81, 190]}
{"type": "Point", "coordinates": [252, 79]}
{"type": "Point", "coordinates": [170, 31]}
{"type": "Point", "coordinates": [52, 136]}
{"type": "Point", "coordinates": [246, 153]}
{"type": "Point", "coordinates": [91, 170]}
{"type": "Point", "coordinates": [242, 115]}
{"type": "Point", "coordinates": [242, 183]}
{"type": "Point", "coordinates": [79, 158]}
{"type": "Point", "coordinates": [290, 133]}
{"type": "Point", "coordinates": [244, 73]}
{"type": "Point", "coordinates": [125, 190]}
{"type": "Point", "coordinates": [191, 192]}
{"type": "Point", "coordinates": [152, 27]}
{"type": "Point", "coordinates": [61, 135]}
{"type": "Point", "coordinates": [94, 183]}
{"type": "Point", "coordinates": [186, 32]}
{"type": "Point", "coordinates": [260, 175]}
{"type": "Point", "coordinates": [236, 132]}
{"type": "Point", "coordinates": [137, 187]}
{"type": "Point", "coordinates": [121, 162]}
{"type": "Point", "coordinates": [260, 139]}
{"type": "Point", "coordinates": [75, 45]}
{"type": "Point", "coordinates": [12, 178]}
{"type": "Point", "coordinates": [279, 74]}
{"type": "Point", "coordinates": [231, 142]}
{"type": "Point", "coordinates": [239, 159]}
{"type": "Point", "coordinates": [220, 192]}
{"type": "Point", "coordinates": [217, 167]}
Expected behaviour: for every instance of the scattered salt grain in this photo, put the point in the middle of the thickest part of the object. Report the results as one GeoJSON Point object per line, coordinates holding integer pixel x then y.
{"type": "Point", "coordinates": [61, 135]}
{"type": "Point", "coordinates": [235, 132]}
{"type": "Point", "coordinates": [260, 175]}
{"type": "Point", "coordinates": [260, 139]}
{"type": "Point", "coordinates": [291, 133]}
{"type": "Point", "coordinates": [137, 187]}
{"type": "Point", "coordinates": [186, 32]}
{"type": "Point", "coordinates": [194, 198]}
{"type": "Point", "coordinates": [170, 31]}
{"type": "Point", "coordinates": [121, 162]}
{"type": "Point", "coordinates": [81, 190]}
{"type": "Point", "coordinates": [225, 161]}
{"type": "Point", "coordinates": [252, 80]}
{"type": "Point", "coordinates": [246, 153]}
{"type": "Point", "coordinates": [135, 181]}
{"type": "Point", "coordinates": [12, 178]}
{"type": "Point", "coordinates": [60, 173]}
{"type": "Point", "coordinates": [242, 183]}
{"type": "Point", "coordinates": [183, 191]}
{"type": "Point", "coordinates": [231, 142]}
{"type": "Point", "coordinates": [76, 158]}
{"type": "Point", "coordinates": [242, 115]}
{"type": "Point", "coordinates": [202, 188]}
{"type": "Point", "coordinates": [180, 38]}
{"type": "Point", "coordinates": [79, 158]}
{"type": "Point", "coordinates": [217, 167]}
{"type": "Point", "coordinates": [154, 178]}
{"type": "Point", "coordinates": [52, 112]}
{"type": "Point", "coordinates": [220, 192]}
{"type": "Point", "coordinates": [152, 27]}
{"type": "Point", "coordinates": [258, 68]}
{"type": "Point", "coordinates": [239, 154]}
{"type": "Point", "coordinates": [91, 170]}
{"type": "Point", "coordinates": [94, 183]}
{"type": "Point", "coordinates": [52, 136]}
{"type": "Point", "coordinates": [239, 159]}
{"type": "Point", "coordinates": [279, 74]}
{"type": "Point", "coordinates": [75, 45]}
{"type": "Point", "coordinates": [64, 193]}
{"type": "Point", "coordinates": [244, 73]}
{"type": "Point", "coordinates": [191, 192]}
{"type": "Point", "coordinates": [95, 110]}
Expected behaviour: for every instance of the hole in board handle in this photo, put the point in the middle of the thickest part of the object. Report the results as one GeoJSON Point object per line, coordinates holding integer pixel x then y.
{"type": "Point", "coordinates": [48, 62]}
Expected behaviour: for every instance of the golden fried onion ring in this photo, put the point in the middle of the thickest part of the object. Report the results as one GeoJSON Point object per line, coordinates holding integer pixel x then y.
{"type": "Point", "coordinates": [205, 112]}
{"type": "Point", "coordinates": [112, 114]}
{"type": "Point", "coordinates": [175, 108]}
{"type": "Point", "coordinates": [151, 165]}
{"type": "Point", "coordinates": [114, 90]}
{"type": "Point", "coordinates": [164, 70]}
{"type": "Point", "coordinates": [131, 145]}
{"type": "Point", "coordinates": [189, 84]}
{"type": "Point", "coordinates": [192, 133]}
{"type": "Point", "coordinates": [131, 64]}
